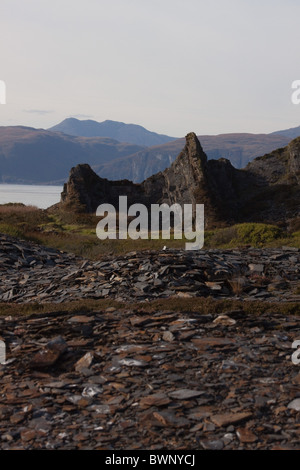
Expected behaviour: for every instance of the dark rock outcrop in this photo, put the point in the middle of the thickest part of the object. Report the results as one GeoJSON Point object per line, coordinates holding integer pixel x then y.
{"type": "Point", "coordinates": [239, 149]}
{"type": "Point", "coordinates": [266, 190]}
{"type": "Point", "coordinates": [184, 182]}
{"type": "Point", "coordinates": [85, 190]}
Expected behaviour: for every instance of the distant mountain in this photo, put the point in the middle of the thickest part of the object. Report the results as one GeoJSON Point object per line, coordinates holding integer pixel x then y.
{"type": "Point", "coordinates": [291, 133]}
{"type": "Point", "coordinates": [36, 156]}
{"type": "Point", "coordinates": [131, 133]}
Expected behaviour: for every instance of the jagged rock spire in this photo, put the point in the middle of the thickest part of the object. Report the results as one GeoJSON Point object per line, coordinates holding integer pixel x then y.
{"type": "Point", "coordinates": [229, 195]}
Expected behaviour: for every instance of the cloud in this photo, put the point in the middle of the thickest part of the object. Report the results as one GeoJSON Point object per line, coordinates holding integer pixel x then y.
{"type": "Point", "coordinates": [41, 112]}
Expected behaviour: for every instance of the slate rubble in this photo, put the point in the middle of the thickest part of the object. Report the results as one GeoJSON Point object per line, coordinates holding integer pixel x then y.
{"type": "Point", "coordinates": [109, 380]}
{"type": "Point", "coordinates": [29, 273]}
{"type": "Point", "coordinates": [129, 379]}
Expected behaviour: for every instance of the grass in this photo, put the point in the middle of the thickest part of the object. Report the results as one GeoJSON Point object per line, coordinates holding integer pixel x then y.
{"type": "Point", "coordinates": [198, 305]}
{"type": "Point", "coordinates": [254, 234]}
{"type": "Point", "coordinates": [76, 233]}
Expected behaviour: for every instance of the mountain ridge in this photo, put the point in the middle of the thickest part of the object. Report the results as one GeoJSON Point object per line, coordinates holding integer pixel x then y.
{"type": "Point", "coordinates": [291, 133]}
{"type": "Point", "coordinates": [38, 156]}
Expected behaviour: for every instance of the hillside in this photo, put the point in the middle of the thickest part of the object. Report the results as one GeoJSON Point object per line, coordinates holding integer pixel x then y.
{"type": "Point", "coordinates": [36, 156]}
{"type": "Point", "coordinates": [291, 133]}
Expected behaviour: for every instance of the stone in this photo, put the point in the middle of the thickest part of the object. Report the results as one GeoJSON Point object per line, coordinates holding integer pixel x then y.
{"type": "Point", "coordinates": [101, 409]}
{"type": "Point", "coordinates": [258, 268]}
{"type": "Point", "coordinates": [185, 394]}
{"type": "Point", "coordinates": [245, 435]}
{"type": "Point", "coordinates": [17, 418]}
{"type": "Point", "coordinates": [44, 358]}
{"type": "Point", "coordinates": [212, 342]}
{"type": "Point", "coordinates": [168, 336]}
{"type": "Point", "coordinates": [224, 320]}
{"type": "Point", "coordinates": [157, 399]}
{"type": "Point", "coordinates": [214, 285]}
{"type": "Point", "coordinates": [92, 391]}
{"type": "Point", "coordinates": [80, 319]}
{"type": "Point", "coordinates": [57, 344]}
{"type": "Point", "coordinates": [84, 362]}
{"type": "Point", "coordinates": [132, 362]}
{"type": "Point", "coordinates": [294, 404]}
{"type": "Point", "coordinates": [28, 435]}
{"type": "Point", "coordinates": [230, 418]}
{"type": "Point", "coordinates": [213, 445]}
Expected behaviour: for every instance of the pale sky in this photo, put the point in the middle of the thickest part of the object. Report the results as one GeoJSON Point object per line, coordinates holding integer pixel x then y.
{"type": "Point", "coordinates": [172, 66]}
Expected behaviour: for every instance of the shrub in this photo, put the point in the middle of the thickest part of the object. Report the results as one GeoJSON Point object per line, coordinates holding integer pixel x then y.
{"type": "Point", "coordinates": [254, 234]}
{"type": "Point", "coordinates": [224, 236]}
{"type": "Point", "coordinates": [11, 230]}
{"type": "Point", "coordinates": [258, 234]}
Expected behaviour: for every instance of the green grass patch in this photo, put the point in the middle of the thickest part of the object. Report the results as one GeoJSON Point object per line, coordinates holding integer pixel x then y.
{"type": "Point", "coordinates": [13, 231]}
{"type": "Point", "coordinates": [254, 234]}
{"type": "Point", "coordinates": [201, 305]}
{"type": "Point", "coordinates": [76, 233]}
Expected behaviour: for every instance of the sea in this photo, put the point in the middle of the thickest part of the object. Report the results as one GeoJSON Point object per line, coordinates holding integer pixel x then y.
{"type": "Point", "coordinates": [33, 195]}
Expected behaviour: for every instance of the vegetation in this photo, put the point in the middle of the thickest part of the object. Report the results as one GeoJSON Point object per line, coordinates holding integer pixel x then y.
{"type": "Point", "coordinates": [76, 233]}
{"type": "Point", "coordinates": [254, 234]}
{"type": "Point", "coordinates": [198, 305]}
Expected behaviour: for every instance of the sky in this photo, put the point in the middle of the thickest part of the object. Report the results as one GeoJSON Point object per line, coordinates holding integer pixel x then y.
{"type": "Point", "coordinates": [172, 66]}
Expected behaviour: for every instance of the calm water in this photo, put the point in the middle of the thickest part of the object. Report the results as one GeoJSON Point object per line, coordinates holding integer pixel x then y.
{"type": "Point", "coordinates": [40, 196]}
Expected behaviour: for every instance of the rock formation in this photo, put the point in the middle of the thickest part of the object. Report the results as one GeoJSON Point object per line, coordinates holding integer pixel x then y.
{"type": "Point", "coordinates": [85, 190]}
{"type": "Point", "coordinates": [266, 190]}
